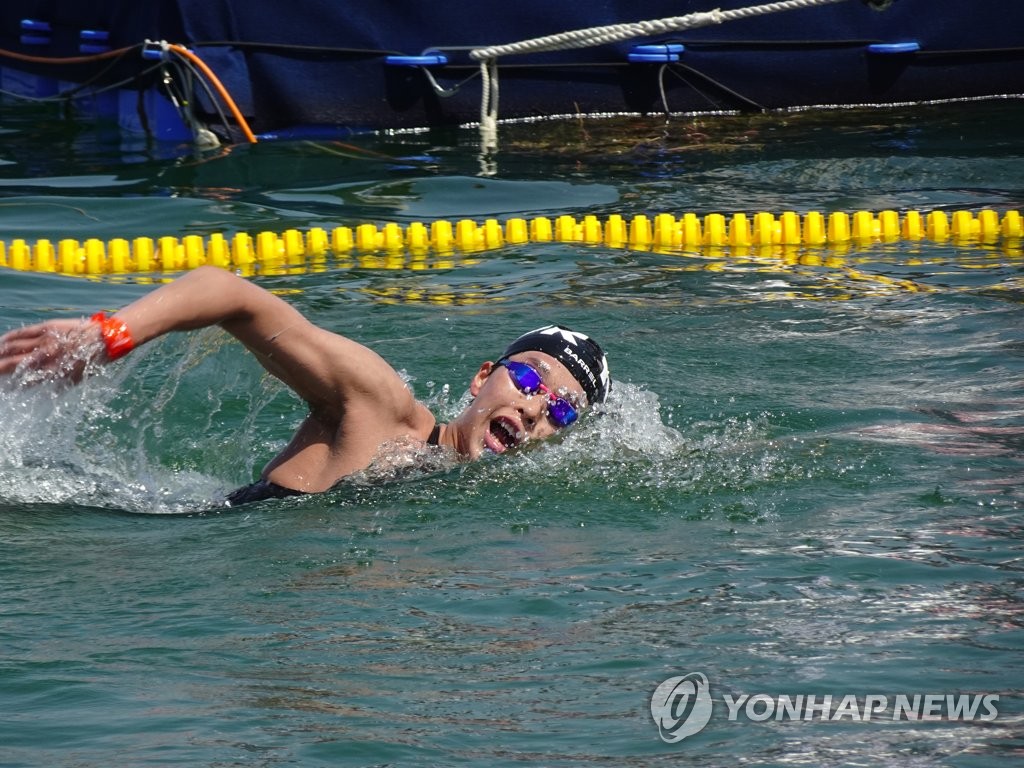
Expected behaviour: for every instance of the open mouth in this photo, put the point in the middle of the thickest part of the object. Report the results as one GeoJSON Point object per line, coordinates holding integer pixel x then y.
{"type": "Point", "coordinates": [504, 435]}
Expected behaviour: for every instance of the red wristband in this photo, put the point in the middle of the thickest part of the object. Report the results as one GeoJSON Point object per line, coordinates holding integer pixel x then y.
{"type": "Point", "coordinates": [116, 336]}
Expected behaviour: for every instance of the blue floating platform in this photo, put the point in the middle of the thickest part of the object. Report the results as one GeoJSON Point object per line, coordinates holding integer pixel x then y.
{"type": "Point", "coordinates": [407, 63]}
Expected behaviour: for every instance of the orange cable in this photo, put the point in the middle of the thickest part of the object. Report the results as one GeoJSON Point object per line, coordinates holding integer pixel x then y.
{"type": "Point", "coordinates": [183, 51]}
{"type": "Point", "coordinates": [65, 59]}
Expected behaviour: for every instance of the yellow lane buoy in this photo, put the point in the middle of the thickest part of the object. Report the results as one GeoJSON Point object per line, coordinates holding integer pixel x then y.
{"type": "Point", "coordinates": [407, 247]}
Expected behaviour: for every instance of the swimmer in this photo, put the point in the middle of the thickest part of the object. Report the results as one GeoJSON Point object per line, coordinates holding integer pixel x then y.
{"type": "Point", "coordinates": [357, 401]}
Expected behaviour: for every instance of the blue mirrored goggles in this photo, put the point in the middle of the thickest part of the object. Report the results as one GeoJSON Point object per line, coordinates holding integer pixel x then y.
{"type": "Point", "coordinates": [528, 381]}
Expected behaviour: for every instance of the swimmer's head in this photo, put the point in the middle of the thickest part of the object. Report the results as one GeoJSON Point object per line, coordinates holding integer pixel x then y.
{"type": "Point", "coordinates": [506, 412]}
{"type": "Point", "coordinates": [581, 356]}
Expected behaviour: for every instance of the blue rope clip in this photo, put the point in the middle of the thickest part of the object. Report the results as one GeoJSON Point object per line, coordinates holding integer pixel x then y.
{"type": "Point", "coordinates": [424, 60]}
{"type": "Point", "coordinates": [655, 53]}
{"type": "Point", "coordinates": [890, 49]}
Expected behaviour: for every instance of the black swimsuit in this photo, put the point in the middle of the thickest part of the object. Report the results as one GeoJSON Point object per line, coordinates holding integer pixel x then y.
{"type": "Point", "coordinates": [260, 490]}
{"type": "Point", "coordinates": [265, 489]}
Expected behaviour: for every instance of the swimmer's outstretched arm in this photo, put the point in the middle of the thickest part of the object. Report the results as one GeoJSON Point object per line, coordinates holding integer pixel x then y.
{"type": "Point", "coordinates": [331, 372]}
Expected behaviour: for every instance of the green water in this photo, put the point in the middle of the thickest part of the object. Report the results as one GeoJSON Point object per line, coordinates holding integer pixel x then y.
{"type": "Point", "coordinates": [808, 481]}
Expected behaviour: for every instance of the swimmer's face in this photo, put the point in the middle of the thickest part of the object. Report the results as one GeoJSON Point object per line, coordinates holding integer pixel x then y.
{"type": "Point", "coordinates": [502, 417]}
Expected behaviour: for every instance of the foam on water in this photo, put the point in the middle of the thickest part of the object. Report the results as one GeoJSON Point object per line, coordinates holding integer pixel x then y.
{"type": "Point", "coordinates": [60, 449]}
{"type": "Point", "coordinates": [115, 440]}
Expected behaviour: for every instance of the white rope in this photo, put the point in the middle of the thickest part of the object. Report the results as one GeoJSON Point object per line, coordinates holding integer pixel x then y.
{"type": "Point", "coordinates": [489, 106]}
{"type": "Point", "coordinates": [613, 33]}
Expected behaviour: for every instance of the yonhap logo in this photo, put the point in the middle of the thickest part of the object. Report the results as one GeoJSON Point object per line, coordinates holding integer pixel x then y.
{"type": "Point", "coordinates": [681, 706]}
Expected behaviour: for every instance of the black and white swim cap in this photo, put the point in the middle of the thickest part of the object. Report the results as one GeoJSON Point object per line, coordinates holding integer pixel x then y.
{"type": "Point", "coordinates": [579, 353]}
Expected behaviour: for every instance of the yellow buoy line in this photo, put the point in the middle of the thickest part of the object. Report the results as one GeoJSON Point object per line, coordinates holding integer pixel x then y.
{"type": "Point", "coordinates": [394, 246]}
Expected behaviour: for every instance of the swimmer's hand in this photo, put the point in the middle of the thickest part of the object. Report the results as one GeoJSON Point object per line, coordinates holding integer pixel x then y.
{"type": "Point", "coordinates": [57, 350]}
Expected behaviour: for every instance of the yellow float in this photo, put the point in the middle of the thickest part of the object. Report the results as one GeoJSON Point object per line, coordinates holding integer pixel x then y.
{"type": "Point", "coordinates": [396, 246]}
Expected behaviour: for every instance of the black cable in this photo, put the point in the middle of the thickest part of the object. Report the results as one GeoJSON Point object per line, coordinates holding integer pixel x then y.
{"type": "Point", "coordinates": [969, 52]}
{"type": "Point", "coordinates": [182, 61]}
{"type": "Point", "coordinates": [112, 63]}
{"type": "Point", "coordinates": [707, 45]}
{"type": "Point", "coordinates": [721, 86]}
{"type": "Point", "coordinates": [243, 44]}
{"type": "Point", "coordinates": [73, 93]}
